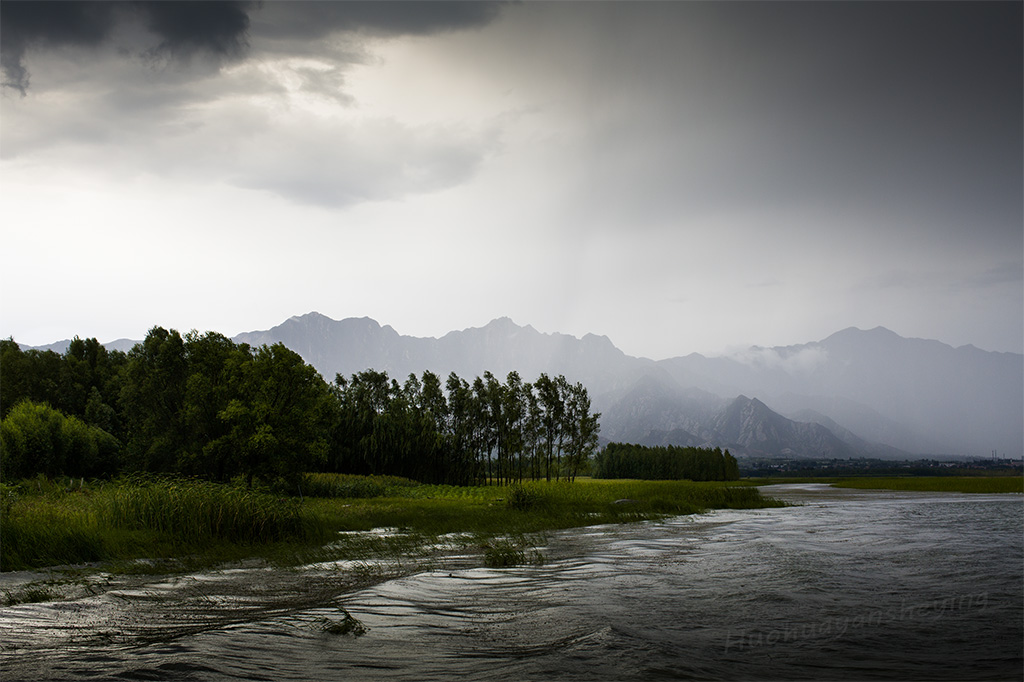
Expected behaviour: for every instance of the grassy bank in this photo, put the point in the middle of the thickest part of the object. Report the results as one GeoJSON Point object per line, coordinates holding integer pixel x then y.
{"type": "Point", "coordinates": [46, 523]}
{"type": "Point", "coordinates": [959, 484]}
{"type": "Point", "coordinates": [199, 523]}
{"type": "Point", "coordinates": [532, 506]}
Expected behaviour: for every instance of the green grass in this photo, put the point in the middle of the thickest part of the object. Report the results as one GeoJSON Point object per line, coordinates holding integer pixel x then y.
{"type": "Point", "coordinates": [134, 518]}
{"type": "Point", "coordinates": [533, 507]}
{"type": "Point", "coordinates": [960, 484]}
{"type": "Point", "coordinates": [196, 523]}
{"type": "Point", "coordinates": [348, 486]}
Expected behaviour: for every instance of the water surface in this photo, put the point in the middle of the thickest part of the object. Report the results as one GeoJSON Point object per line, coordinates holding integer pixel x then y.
{"type": "Point", "coordinates": [850, 585]}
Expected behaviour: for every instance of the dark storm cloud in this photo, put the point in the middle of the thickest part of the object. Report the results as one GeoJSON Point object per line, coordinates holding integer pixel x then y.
{"type": "Point", "coordinates": [906, 99]}
{"type": "Point", "coordinates": [895, 107]}
{"type": "Point", "coordinates": [219, 28]}
{"type": "Point", "coordinates": [49, 23]}
{"type": "Point", "coordinates": [310, 20]}
{"type": "Point", "coordinates": [181, 28]}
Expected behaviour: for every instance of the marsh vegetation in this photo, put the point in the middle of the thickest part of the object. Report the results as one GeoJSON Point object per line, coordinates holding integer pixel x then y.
{"type": "Point", "coordinates": [192, 522]}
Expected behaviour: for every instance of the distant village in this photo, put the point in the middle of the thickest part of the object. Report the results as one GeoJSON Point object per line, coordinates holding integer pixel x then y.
{"type": "Point", "coordinates": [765, 467]}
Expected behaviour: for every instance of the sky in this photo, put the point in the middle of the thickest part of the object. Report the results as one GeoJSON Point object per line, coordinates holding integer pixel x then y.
{"type": "Point", "coordinates": [678, 176]}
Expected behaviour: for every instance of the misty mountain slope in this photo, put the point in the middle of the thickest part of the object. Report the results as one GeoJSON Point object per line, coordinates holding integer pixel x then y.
{"type": "Point", "coordinates": [61, 347]}
{"type": "Point", "coordinates": [842, 414]}
{"type": "Point", "coordinates": [915, 395]}
{"type": "Point", "coordinates": [675, 437]}
{"type": "Point", "coordinates": [656, 405]}
{"type": "Point", "coordinates": [852, 440]}
{"type": "Point", "coordinates": [346, 346]}
{"type": "Point", "coordinates": [945, 400]}
{"type": "Point", "coordinates": [354, 345]}
{"type": "Point", "coordinates": [964, 397]}
{"type": "Point", "coordinates": [656, 413]}
{"type": "Point", "coordinates": [749, 427]}
{"type": "Point", "coordinates": [501, 346]}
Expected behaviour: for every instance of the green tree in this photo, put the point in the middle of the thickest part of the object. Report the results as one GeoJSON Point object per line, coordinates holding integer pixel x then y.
{"type": "Point", "coordinates": [462, 464]}
{"type": "Point", "coordinates": [151, 401]}
{"type": "Point", "coordinates": [28, 375]}
{"type": "Point", "coordinates": [215, 367]}
{"type": "Point", "coordinates": [581, 427]}
{"type": "Point", "coordinates": [278, 424]}
{"type": "Point", "coordinates": [550, 402]}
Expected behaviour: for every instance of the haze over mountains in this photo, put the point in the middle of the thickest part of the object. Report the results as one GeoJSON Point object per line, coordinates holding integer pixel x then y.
{"type": "Point", "coordinates": [856, 393]}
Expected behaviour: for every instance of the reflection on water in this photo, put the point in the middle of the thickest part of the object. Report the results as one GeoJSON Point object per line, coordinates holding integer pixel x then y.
{"type": "Point", "coordinates": [850, 585]}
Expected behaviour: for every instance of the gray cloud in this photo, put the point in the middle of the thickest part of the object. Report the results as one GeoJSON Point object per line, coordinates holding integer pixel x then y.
{"type": "Point", "coordinates": [313, 20]}
{"type": "Point", "coordinates": [48, 23]}
{"type": "Point", "coordinates": [1007, 273]}
{"type": "Point", "coordinates": [219, 27]}
{"type": "Point", "coordinates": [178, 29]}
{"type": "Point", "coordinates": [833, 106]}
{"type": "Point", "coordinates": [140, 82]}
{"type": "Point", "coordinates": [333, 167]}
{"type": "Point", "coordinates": [216, 28]}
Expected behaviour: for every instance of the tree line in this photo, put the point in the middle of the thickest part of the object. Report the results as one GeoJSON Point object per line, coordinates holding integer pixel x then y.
{"type": "Point", "coordinates": [201, 405]}
{"type": "Point", "coordinates": [461, 432]}
{"type": "Point", "coordinates": [624, 460]}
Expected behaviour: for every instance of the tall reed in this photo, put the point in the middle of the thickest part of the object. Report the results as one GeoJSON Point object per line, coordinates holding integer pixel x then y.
{"type": "Point", "coordinates": [34, 535]}
{"type": "Point", "coordinates": [142, 517]}
{"type": "Point", "coordinates": [194, 511]}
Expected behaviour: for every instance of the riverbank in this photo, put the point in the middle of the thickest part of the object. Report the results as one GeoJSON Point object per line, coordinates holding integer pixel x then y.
{"type": "Point", "coordinates": [163, 525]}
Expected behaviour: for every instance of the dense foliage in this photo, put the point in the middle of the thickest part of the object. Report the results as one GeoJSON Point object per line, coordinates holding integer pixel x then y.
{"type": "Point", "coordinates": [463, 433]}
{"type": "Point", "coordinates": [623, 460]}
{"type": "Point", "coordinates": [204, 406]}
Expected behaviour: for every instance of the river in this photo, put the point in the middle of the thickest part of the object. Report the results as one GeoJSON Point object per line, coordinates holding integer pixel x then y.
{"type": "Point", "coordinates": [848, 585]}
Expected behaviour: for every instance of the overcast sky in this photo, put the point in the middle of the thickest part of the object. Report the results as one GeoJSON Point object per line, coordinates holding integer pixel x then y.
{"type": "Point", "coordinates": [677, 176]}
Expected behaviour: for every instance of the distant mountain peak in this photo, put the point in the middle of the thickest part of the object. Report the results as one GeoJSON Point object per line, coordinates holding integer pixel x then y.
{"type": "Point", "coordinates": [857, 332]}
{"type": "Point", "coordinates": [502, 324]}
{"type": "Point", "coordinates": [311, 315]}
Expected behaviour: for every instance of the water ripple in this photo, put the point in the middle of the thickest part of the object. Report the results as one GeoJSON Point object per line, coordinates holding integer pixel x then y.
{"type": "Point", "coordinates": [851, 585]}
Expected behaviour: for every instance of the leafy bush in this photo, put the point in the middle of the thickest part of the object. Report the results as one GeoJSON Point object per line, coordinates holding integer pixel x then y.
{"type": "Point", "coordinates": [522, 498]}
{"type": "Point", "coordinates": [35, 438]}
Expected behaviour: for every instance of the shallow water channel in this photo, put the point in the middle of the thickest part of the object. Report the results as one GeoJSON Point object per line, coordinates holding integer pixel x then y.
{"type": "Point", "coordinates": [849, 585]}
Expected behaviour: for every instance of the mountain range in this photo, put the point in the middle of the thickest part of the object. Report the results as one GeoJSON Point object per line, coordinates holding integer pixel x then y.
{"type": "Point", "coordinates": [856, 393]}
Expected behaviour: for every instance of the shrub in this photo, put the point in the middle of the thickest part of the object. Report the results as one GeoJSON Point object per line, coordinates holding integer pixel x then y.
{"type": "Point", "coordinates": [37, 439]}
{"type": "Point", "coordinates": [522, 498]}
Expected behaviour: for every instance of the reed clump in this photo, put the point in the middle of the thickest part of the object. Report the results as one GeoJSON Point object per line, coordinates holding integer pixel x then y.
{"type": "Point", "coordinates": [35, 534]}
{"type": "Point", "coordinates": [509, 552]}
{"type": "Point", "coordinates": [194, 511]}
{"type": "Point", "coordinates": [141, 517]}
